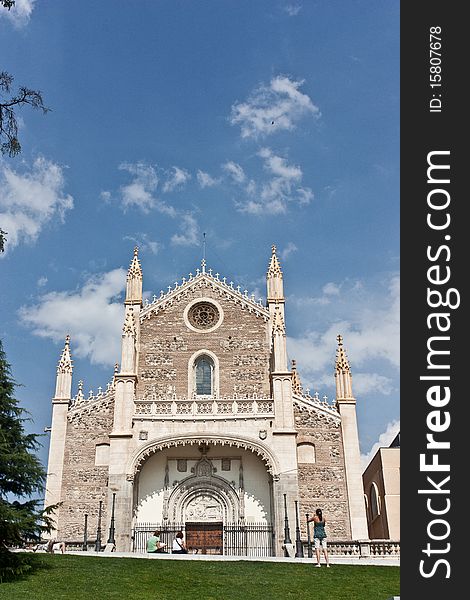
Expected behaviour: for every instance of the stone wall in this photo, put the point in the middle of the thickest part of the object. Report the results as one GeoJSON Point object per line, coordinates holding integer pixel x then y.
{"type": "Point", "coordinates": [239, 343]}
{"type": "Point", "coordinates": [83, 483]}
{"type": "Point", "coordinates": [322, 484]}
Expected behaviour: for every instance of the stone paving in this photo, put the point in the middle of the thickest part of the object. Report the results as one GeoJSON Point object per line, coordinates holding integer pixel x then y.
{"type": "Point", "coordinates": [334, 560]}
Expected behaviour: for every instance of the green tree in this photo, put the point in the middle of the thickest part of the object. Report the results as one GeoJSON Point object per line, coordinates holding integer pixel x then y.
{"type": "Point", "coordinates": [21, 476]}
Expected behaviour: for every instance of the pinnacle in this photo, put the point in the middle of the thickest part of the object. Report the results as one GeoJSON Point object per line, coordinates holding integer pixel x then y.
{"type": "Point", "coordinates": [135, 269]}
{"type": "Point", "coordinates": [342, 362]}
{"type": "Point", "coordinates": [274, 268]}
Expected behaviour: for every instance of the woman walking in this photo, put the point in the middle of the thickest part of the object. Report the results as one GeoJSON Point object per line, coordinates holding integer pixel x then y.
{"type": "Point", "coordinates": [319, 536]}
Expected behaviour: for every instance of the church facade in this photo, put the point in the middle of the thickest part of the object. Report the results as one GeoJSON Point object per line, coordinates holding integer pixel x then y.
{"type": "Point", "coordinates": [205, 427]}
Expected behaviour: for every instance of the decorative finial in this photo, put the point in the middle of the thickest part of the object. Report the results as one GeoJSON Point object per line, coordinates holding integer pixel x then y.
{"type": "Point", "coordinates": [203, 265]}
{"type": "Point", "coordinates": [296, 384]}
{"type": "Point", "coordinates": [274, 269]}
{"type": "Point", "coordinates": [342, 363]}
{"type": "Point", "coordinates": [135, 269]}
{"type": "Point", "coordinates": [65, 362]}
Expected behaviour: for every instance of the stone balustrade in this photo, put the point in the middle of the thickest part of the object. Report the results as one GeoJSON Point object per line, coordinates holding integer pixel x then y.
{"type": "Point", "coordinates": [203, 407]}
{"type": "Point", "coordinates": [362, 548]}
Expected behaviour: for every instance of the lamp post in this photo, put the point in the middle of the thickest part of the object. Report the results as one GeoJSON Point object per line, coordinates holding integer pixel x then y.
{"type": "Point", "coordinates": [98, 530]}
{"type": "Point", "coordinates": [309, 541]}
{"type": "Point", "coordinates": [85, 534]}
{"type": "Point", "coordinates": [299, 551]}
{"type": "Point", "coordinates": [287, 539]}
{"type": "Point", "coordinates": [111, 539]}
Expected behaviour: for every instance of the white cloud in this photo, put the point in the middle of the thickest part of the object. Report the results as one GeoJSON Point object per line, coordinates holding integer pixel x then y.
{"type": "Point", "coordinates": [292, 9]}
{"type": "Point", "coordinates": [189, 232]}
{"type": "Point", "coordinates": [288, 250]}
{"type": "Point", "coordinates": [235, 171]}
{"type": "Point", "coordinates": [331, 289]}
{"type": "Point", "coordinates": [272, 108]}
{"type": "Point", "coordinates": [384, 441]}
{"type": "Point", "coordinates": [205, 180]}
{"type": "Point", "coordinates": [273, 195]}
{"type": "Point", "coordinates": [140, 192]}
{"type": "Point", "coordinates": [177, 179]}
{"type": "Point", "coordinates": [20, 13]}
{"type": "Point", "coordinates": [370, 333]}
{"type": "Point", "coordinates": [277, 165]}
{"type": "Point", "coordinates": [31, 200]}
{"type": "Point", "coordinates": [92, 315]}
{"type": "Point", "coordinates": [144, 243]}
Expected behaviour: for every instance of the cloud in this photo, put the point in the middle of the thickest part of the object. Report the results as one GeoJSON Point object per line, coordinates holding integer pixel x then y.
{"type": "Point", "coordinates": [205, 180]}
{"type": "Point", "coordinates": [384, 441]}
{"type": "Point", "coordinates": [269, 109]}
{"type": "Point", "coordinates": [235, 171]}
{"type": "Point", "coordinates": [189, 232]}
{"type": "Point", "coordinates": [140, 192]}
{"type": "Point", "coordinates": [144, 243]}
{"type": "Point", "coordinates": [31, 200]}
{"type": "Point", "coordinates": [20, 13]}
{"type": "Point", "coordinates": [92, 315]}
{"type": "Point", "coordinates": [331, 289]}
{"type": "Point", "coordinates": [278, 166]}
{"type": "Point", "coordinates": [292, 9]}
{"type": "Point", "coordinates": [176, 180]}
{"type": "Point", "coordinates": [271, 196]}
{"type": "Point", "coordinates": [288, 250]}
{"type": "Point", "coordinates": [371, 333]}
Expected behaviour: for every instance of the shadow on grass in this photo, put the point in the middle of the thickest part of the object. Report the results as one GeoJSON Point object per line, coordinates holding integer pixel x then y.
{"type": "Point", "coordinates": [19, 566]}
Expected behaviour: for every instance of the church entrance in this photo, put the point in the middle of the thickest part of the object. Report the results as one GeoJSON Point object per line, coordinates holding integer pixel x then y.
{"type": "Point", "coordinates": [204, 537]}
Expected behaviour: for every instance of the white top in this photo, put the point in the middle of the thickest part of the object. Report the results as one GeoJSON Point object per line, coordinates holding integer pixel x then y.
{"type": "Point", "coordinates": [176, 546]}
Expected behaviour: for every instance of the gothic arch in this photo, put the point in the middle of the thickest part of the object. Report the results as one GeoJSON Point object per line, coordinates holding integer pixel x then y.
{"type": "Point", "coordinates": [184, 498]}
{"type": "Point", "coordinates": [215, 376]}
{"type": "Point", "coordinates": [143, 453]}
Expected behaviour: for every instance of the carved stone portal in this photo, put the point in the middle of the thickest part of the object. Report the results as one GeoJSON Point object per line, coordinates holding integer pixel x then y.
{"type": "Point", "coordinates": [204, 508]}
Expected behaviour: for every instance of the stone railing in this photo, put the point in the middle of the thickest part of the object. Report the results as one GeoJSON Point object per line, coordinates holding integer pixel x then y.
{"type": "Point", "coordinates": [360, 549]}
{"type": "Point", "coordinates": [203, 407]}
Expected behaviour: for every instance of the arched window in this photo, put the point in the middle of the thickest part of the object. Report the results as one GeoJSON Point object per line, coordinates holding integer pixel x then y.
{"type": "Point", "coordinates": [204, 375]}
{"type": "Point", "coordinates": [374, 501]}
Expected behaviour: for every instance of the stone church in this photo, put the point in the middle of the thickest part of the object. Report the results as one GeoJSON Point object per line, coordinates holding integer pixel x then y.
{"type": "Point", "coordinates": [205, 427]}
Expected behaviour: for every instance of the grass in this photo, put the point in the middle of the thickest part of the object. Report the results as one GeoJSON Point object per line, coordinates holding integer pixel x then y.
{"type": "Point", "coordinates": [74, 577]}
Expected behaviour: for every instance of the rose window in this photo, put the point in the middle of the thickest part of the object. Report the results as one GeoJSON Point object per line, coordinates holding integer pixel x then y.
{"type": "Point", "coordinates": [203, 315]}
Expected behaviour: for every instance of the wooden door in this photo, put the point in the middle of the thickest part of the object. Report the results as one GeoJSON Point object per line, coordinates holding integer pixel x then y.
{"type": "Point", "coordinates": [204, 537]}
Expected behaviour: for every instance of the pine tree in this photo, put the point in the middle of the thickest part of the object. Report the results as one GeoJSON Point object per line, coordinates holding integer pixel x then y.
{"type": "Point", "coordinates": [21, 476]}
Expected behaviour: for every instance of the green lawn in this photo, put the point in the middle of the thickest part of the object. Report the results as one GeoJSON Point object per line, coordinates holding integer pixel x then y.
{"type": "Point", "coordinates": [74, 577]}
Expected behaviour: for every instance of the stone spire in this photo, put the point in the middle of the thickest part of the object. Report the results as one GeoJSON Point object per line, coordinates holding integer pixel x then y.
{"type": "Point", "coordinates": [343, 374]}
{"type": "Point", "coordinates": [274, 281]}
{"type": "Point", "coordinates": [64, 373]}
{"type": "Point", "coordinates": [296, 383]}
{"type": "Point", "coordinates": [346, 405]}
{"type": "Point", "coordinates": [134, 280]}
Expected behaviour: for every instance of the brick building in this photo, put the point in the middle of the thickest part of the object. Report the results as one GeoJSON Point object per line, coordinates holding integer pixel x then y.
{"type": "Point", "coordinates": [205, 427]}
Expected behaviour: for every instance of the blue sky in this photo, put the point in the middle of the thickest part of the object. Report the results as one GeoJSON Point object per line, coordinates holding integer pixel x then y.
{"type": "Point", "coordinates": [254, 122]}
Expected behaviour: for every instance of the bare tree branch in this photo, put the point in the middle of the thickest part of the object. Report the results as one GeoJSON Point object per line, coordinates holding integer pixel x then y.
{"type": "Point", "coordinates": [10, 144]}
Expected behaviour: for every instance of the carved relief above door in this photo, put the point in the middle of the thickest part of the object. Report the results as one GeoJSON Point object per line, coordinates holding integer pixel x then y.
{"type": "Point", "coordinates": [204, 508]}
